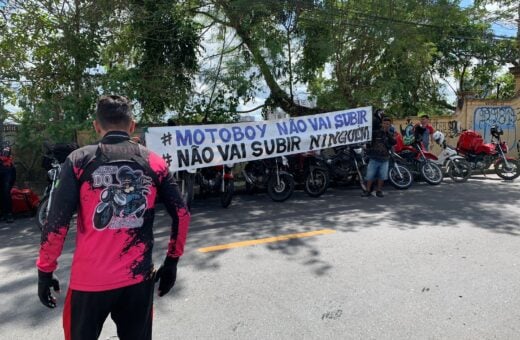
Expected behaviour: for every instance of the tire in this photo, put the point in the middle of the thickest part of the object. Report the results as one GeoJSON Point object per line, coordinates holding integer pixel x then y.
{"type": "Point", "coordinates": [227, 196]}
{"type": "Point", "coordinates": [102, 218]}
{"type": "Point", "coordinates": [282, 192]}
{"type": "Point", "coordinates": [459, 170]}
{"type": "Point", "coordinates": [41, 212]}
{"type": "Point", "coordinates": [316, 182]}
{"type": "Point", "coordinates": [431, 172]}
{"type": "Point", "coordinates": [400, 181]}
{"type": "Point", "coordinates": [510, 173]}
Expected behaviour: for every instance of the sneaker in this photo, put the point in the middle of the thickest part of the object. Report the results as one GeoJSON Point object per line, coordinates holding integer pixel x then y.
{"type": "Point", "coordinates": [367, 194]}
{"type": "Point", "coordinates": [379, 194]}
{"type": "Point", "coordinates": [9, 218]}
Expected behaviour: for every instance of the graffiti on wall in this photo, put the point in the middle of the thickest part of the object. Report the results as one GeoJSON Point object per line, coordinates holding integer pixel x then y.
{"type": "Point", "coordinates": [502, 116]}
{"type": "Point", "coordinates": [450, 128]}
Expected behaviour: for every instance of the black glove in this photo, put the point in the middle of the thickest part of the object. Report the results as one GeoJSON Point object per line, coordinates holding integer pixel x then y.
{"type": "Point", "coordinates": [166, 275]}
{"type": "Point", "coordinates": [45, 282]}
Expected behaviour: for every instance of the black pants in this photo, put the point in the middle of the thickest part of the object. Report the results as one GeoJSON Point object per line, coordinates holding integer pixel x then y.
{"type": "Point", "coordinates": [7, 179]}
{"type": "Point", "coordinates": [130, 307]}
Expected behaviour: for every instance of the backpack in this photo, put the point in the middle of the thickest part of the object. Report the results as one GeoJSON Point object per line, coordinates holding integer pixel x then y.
{"type": "Point", "coordinates": [104, 158]}
{"type": "Point", "coordinates": [408, 134]}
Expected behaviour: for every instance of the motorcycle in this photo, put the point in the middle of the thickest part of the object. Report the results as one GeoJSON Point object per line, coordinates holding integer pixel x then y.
{"type": "Point", "coordinates": [347, 164]}
{"type": "Point", "coordinates": [185, 181]}
{"type": "Point", "coordinates": [420, 163]}
{"type": "Point", "coordinates": [54, 156]}
{"type": "Point", "coordinates": [218, 179]}
{"type": "Point", "coordinates": [456, 166]}
{"type": "Point", "coordinates": [398, 174]}
{"type": "Point", "coordinates": [482, 155]}
{"type": "Point", "coordinates": [270, 173]}
{"type": "Point", "coordinates": [309, 169]}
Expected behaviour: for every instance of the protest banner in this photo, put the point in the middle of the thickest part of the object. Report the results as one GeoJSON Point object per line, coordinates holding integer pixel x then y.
{"type": "Point", "coordinates": [199, 146]}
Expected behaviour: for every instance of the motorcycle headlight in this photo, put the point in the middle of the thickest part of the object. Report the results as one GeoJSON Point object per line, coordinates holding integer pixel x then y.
{"type": "Point", "coordinates": [359, 151]}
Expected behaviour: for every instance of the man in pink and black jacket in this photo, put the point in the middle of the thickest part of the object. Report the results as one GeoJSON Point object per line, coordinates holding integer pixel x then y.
{"type": "Point", "coordinates": [113, 186]}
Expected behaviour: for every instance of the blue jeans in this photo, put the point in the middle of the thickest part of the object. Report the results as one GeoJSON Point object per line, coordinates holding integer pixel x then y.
{"type": "Point", "coordinates": [377, 169]}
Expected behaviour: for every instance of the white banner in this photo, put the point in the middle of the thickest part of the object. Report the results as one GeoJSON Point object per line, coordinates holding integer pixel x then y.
{"type": "Point", "coordinates": [199, 146]}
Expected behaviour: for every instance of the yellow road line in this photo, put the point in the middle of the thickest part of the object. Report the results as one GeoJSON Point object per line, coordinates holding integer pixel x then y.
{"type": "Point", "coordinates": [265, 240]}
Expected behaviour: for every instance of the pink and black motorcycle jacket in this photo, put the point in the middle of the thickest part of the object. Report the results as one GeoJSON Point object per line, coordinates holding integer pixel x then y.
{"type": "Point", "coordinates": [113, 187]}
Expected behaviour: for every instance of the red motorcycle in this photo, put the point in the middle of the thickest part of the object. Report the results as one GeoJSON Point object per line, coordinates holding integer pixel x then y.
{"type": "Point", "coordinates": [482, 155]}
{"type": "Point", "coordinates": [417, 160]}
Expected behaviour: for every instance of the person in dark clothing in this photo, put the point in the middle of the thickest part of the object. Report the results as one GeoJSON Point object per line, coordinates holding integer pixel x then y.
{"type": "Point", "coordinates": [378, 155]}
{"type": "Point", "coordinates": [113, 185]}
{"type": "Point", "coordinates": [7, 180]}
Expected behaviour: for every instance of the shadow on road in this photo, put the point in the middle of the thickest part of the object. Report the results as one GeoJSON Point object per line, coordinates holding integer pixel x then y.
{"type": "Point", "coordinates": [480, 203]}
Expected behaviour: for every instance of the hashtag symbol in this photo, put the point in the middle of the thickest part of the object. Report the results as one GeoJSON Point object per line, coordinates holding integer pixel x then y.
{"type": "Point", "coordinates": [167, 138]}
{"type": "Point", "coordinates": [167, 158]}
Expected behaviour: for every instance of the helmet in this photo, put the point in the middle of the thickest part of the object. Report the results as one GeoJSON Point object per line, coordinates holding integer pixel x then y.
{"type": "Point", "coordinates": [438, 137]}
{"type": "Point", "coordinates": [496, 131]}
{"type": "Point", "coordinates": [379, 113]}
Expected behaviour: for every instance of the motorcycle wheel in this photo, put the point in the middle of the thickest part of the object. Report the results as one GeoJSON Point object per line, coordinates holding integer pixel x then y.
{"type": "Point", "coordinates": [431, 173]}
{"type": "Point", "coordinates": [316, 182]}
{"type": "Point", "coordinates": [41, 212]}
{"type": "Point", "coordinates": [102, 218]}
{"type": "Point", "coordinates": [400, 181]}
{"type": "Point", "coordinates": [280, 192]}
{"type": "Point", "coordinates": [459, 170]}
{"type": "Point", "coordinates": [505, 172]}
{"type": "Point", "coordinates": [227, 195]}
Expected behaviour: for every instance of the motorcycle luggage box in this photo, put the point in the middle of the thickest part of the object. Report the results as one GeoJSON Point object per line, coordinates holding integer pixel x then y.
{"type": "Point", "coordinates": [24, 200]}
{"type": "Point", "coordinates": [469, 141]}
{"type": "Point", "coordinates": [487, 149]}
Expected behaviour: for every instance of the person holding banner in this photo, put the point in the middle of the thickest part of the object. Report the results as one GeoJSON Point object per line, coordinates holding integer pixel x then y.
{"type": "Point", "coordinates": [114, 185]}
{"type": "Point", "coordinates": [378, 155]}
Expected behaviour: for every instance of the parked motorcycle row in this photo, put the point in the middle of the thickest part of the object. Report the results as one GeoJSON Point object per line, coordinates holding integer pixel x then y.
{"type": "Point", "coordinates": [317, 171]}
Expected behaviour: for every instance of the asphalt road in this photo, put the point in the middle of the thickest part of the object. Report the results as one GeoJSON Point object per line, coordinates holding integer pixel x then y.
{"type": "Point", "coordinates": [437, 262]}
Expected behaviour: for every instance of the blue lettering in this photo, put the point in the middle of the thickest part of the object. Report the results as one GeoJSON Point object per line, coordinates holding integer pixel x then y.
{"type": "Point", "coordinates": [198, 136]}
{"type": "Point", "coordinates": [224, 135]}
{"type": "Point", "coordinates": [212, 132]}
{"type": "Point", "coordinates": [313, 122]}
{"type": "Point", "coordinates": [282, 128]}
{"type": "Point", "coordinates": [262, 128]}
{"type": "Point", "coordinates": [238, 135]}
{"type": "Point", "coordinates": [301, 125]}
{"type": "Point", "coordinates": [338, 121]}
{"type": "Point", "coordinates": [183, 140]}
{"type": "Point", "coordinates": [249, 131]}
{"type": "Point", "coordinates": [362, 117]}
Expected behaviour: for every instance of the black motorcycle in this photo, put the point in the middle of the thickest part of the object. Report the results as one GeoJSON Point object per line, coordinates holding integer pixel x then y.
{"type": "Point", "coordinates": [347, 164]}
{"type": "Point", "coordinates": [270, 173]}
{"type": "Point", "coordinates": [309, 169]}
{"type": "Point", "coordinates": [217, 179]}
{"type": "Point", "coordinates": [185, 180]}
{"type": "Point", "coordinates": [54, 156]}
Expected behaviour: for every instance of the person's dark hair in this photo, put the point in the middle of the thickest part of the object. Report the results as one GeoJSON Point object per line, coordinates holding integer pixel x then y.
{"type": "Point", "coordinates": [425, 116]}
{"type": "Point", "coordinates": [114, 112]}
{"type": "Point", "coordinates": [387, 119]}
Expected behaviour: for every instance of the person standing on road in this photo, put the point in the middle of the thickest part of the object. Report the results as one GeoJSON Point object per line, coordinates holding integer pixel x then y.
{"type": "Point", "coordinates": [113, 185]}
{"type": "Point", "coordinates": [427, 132]}
{"type": "Point", "coordinates": [378, 155]}
{"type": "Point", "coordinates": [7, 180]}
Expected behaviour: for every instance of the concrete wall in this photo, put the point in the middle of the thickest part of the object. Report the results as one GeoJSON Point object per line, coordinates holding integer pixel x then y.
{"type": "Point", "coordinates": [479, 115]}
